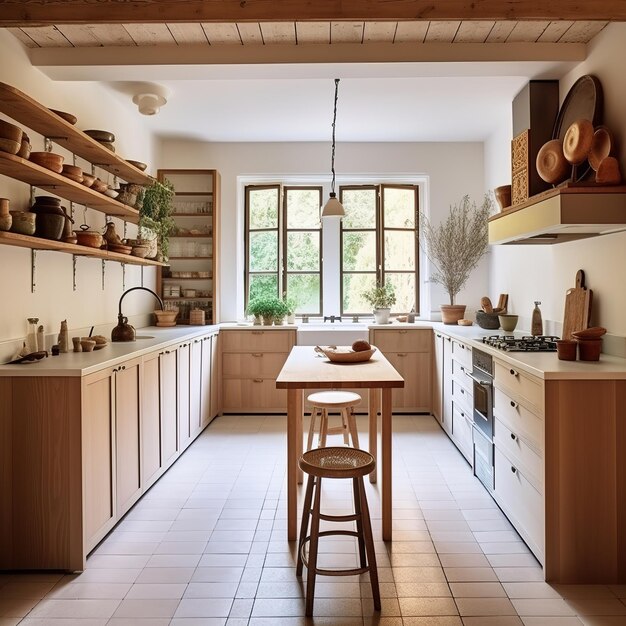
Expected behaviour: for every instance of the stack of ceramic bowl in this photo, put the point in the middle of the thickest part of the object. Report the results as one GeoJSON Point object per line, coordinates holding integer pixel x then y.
{"type": "Point", "coordinates": [50, 217]}
{"type": "Point", "coordinates": [10, 137]}
{"type": "Point", "coordinates": [103, 137]}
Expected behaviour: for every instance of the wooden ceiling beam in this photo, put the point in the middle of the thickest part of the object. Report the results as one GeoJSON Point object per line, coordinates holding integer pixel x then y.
{"type": "Point", "coordinates": [36, 12]}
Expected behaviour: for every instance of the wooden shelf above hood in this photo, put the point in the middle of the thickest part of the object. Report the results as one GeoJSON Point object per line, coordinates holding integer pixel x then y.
{"type": "Point", "coordinates": [560, 215]}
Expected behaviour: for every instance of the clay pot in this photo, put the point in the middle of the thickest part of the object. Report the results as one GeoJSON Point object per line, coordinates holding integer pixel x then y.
{"type": "Point", "coordinates": [503, 196]}
{"type": "Point", "coordinates": [49, 225]}
{"type": "Point", "coordinates": [23, 222]}
{"type": "Point", "coordinates": [6, 219]}
{"type": "Point", "coordinates": [566, 349]}
{"type": "Point", "coordinates": [508, 322]}
{"type": "Point", "coordinates": [90, 238]}
{"type": "Point", "coordinates": [589, 349]}
{"type": "Point", "coordinates": [452, 313]}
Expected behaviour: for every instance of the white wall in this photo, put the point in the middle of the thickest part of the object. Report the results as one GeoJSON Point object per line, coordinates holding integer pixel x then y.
{"type": "Point", "coordinates": [54, 299]}
{"type": "Point", "coordinates": [544, 273]}
{"type": "Point", "coordinates": [452, 169]}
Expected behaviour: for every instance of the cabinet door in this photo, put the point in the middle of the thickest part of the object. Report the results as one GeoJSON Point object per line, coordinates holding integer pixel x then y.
{"type": "Point", "coordinates": [215, 377]}
{"type": "Point", "coordinates": [172, 367]}
{"type": "Point", "coordinates": [205, 383]}
{"type": "Point", "coordinates": [446, 412]}
{"type": "Point", "coordinates": [127, 431]}
{"type": "Point", "coordinates": [97, 443]}
{"type": "Point", "coordinates": [182, 390]}
{"type": "Point", "coordinates": [415, 368]}
{"type": "Point", "coordinates": [437, 406]}
{"type": "Point", "coordinates": [195, 387]}
{"type": "Point", "coordinates": [151, 418]}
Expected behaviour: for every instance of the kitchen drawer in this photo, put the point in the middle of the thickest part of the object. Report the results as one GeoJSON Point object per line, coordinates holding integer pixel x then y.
{"type": "Point", "coordinates": [462, 395]}
{"type": "Point", "coordinates": [252, 394]}
{"type": "Point", "coordinates": [520, 386]}
{"type": "Point", "coordinates": [403, 340]}
{"type": "Point", "coordinates": [519, 419]}
{"type": "Point", "coordinates": [254, 364]}
{"type": "Point", "coordinates": [258, 340]}
{"type": "Point", "coordinates": [462, 353]}
{"type": "Point", "coordinates": [521, 502]}
{"type": "Point", "coordinates": [520, 452]}
{"type": "Point", "coordinates": [462, 431]}
{"type": "Point", "coordinates": [462, 372]}
{"type": "Point", "coordinates": [415, 368]}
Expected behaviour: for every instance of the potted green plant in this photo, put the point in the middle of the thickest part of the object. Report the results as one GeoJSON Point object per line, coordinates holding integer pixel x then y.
{"type": "Point", "coordinates": [155, 215]}
{"type": "Point", "coordinates": [267, 308]}
{"type": "Point", "coordinates": [255, 307]}
{"type": "Point", "coordinates": [281, 310]}
{"type": "Point", "coordinates": [291, 305]}
{"type": "Point", "coordinates": [381, 298]}
{"type": "Point", "coordinates": [454, 247]}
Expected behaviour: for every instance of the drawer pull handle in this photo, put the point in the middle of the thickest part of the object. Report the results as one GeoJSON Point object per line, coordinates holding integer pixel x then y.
{"type": "Point", "coordinates": [513, 469]}
{"type": "Point", "coordinates": [257, 354]}
{"type": "Point", "coordinates": [438, 335]}
{"type": "Point", "coordinates": [462, 369]}
{"type": "Point", "coordinates": [123, 367]}
{"type": "Point", "coordinates": [514, 404]}
{"type": "Point", "coordinates": [401, 353]}
{"type": "Point", "coordinates": [514, 436]}
{"type": "Point", "coordinates": [513, 372]}
{"type": "Point", "coordinates": [462, 390]}
{"type": "Point", "coordinates": [257, 332]}
{"type": "Point", "coordinates": [461, 346]}
{"type": "Point", "coordinates": [403, 332]}
{"type": "Point", "coordinates": [258, 380]}
{"type": "Point", "coordinates": [462, 414]}
{"type": "Point", "coordinates": [448, 339]}
{"type": "Point", "coordinates": [167, 352]}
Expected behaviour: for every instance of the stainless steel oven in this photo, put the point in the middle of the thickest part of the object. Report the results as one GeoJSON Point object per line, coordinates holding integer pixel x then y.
{"type": "Point", "coordinates": [482, 377]}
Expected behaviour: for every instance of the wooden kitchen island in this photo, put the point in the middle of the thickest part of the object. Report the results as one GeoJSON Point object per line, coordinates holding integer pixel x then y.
{"type": "Point", "coordinates": [304, 369]}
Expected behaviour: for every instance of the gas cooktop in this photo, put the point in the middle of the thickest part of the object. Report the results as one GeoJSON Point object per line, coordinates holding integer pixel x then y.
{"type": "Point", "coordinates": [509, 343]}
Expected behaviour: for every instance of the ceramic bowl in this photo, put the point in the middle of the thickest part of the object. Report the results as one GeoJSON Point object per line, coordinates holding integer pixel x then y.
{"type": "Point", "coordinates": [88, 179]}
{"type": "Point", "coordinates": [551, 163]}
{"type": "Point", "coordinates": [10, 137]}
{"type": "Point", "coordinates": [25, 147]}
{"type": "Point", "coordinates": [23, 222]}
{"type": "Point", "coordinates": [138, 164]}
{"type": "Point", "coordinates": [508, 322]}
{"type": "Point", "coordinates": [100, 135]}
{"type": "Point", "coordinates": [49, 160]}
{"type": "Point", "coordinates": [165, 317]}
{"type": "Point", "coordinates": [577, 141]}
{"type": "Point", "coordinates": [488, 321]}
{"type": "Point", "coordinates": [99, 186]}
{"type": "Point", "coordinates": [68, 117]}
{"type": "Point", "coordinates": [87, 344]}
{"type": "Point", "coordinates": [140, 251]}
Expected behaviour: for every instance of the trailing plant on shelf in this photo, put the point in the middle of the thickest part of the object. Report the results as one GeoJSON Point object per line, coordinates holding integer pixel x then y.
{"type": "Point", "coordinates": [381, 298]}
{"type": "Point", "coordinates": [155, 214]}
{"type": "Point", "coordinates": [454, 247]}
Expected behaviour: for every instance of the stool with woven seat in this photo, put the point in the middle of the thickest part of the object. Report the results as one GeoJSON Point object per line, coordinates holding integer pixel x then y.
{"type": "Point", "coordinates": [324, 401]}
{"type": "Point", "coordinates": [336, 462]}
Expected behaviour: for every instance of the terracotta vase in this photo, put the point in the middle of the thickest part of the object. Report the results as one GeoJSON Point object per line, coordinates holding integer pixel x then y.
{"type": "Point", "coordinates": [6, 219]}
{"type": "Point", "coordinates": [452, 313]}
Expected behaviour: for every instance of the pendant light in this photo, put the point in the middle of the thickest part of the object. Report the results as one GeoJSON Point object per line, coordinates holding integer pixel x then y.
{"type": "Point", "coordinates": [333, 208]}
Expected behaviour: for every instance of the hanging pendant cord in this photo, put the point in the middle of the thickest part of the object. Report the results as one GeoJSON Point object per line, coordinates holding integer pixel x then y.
{"type": "Point", "coordinates": [332, 162]}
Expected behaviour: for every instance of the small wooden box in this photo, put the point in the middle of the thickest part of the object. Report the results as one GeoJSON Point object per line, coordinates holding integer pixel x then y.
{"type": "Point", "coordinates": [196, 317]}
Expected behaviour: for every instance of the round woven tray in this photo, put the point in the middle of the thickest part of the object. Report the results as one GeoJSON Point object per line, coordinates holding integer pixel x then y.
{"type": "Point", "coordinates": [345, 355]}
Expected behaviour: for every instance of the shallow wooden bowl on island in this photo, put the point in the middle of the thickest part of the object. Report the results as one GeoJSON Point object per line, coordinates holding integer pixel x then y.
{"type": "Point", "coordinates": [346, 355]}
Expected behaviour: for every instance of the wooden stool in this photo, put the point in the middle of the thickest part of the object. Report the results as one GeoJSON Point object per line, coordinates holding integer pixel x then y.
{"type": "Point", "coordinates": [336, 462]}
{"type": "Point", "coordinates": [324, 401]}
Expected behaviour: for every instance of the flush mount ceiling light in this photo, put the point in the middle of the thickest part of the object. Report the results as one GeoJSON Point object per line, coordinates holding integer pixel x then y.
{"type": "Point", "coordinates": [333, 208]}
{"type": "Point", "coordinates": [150, 101]}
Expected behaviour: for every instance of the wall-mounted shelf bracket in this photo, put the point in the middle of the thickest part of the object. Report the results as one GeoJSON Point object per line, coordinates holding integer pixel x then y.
{"type": "Point", "coordinates": [103, 272]}
{"type": "Point", "coordinates": [47, 144]}
{"type": "Point", "coordinates": [123, 276]}
{"type": "Point", "coordinates": [74, 272]}
{"type": "Point", "coordinates": [33, 266]}
{"type": "Point", "coordinates": [141, 275]}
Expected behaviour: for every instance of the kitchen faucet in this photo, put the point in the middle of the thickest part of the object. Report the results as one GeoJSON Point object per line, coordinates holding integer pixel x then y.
{"type": "Point", "coordinates": [125, 331]}
{"type": "Point", "coordinates": [332, 318]}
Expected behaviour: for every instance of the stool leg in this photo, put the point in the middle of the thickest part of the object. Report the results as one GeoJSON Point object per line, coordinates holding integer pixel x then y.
{"type": "Point", "coordinates": [304, 526]}
{"type": "Point", "coordinates": [359, 520]}
{"type": "Point", "coordinates": [313, 545]}
{"type": "Point", "coordinates": [309, 443]}
{"type": "Point", "coordinates": [323, 429]}
{"type": "Point", "coordinates": [345, 427]}
{"type": "Point", "coordinates": [369, 545]}
{"type": "Point", "coordinates": [354, 431]}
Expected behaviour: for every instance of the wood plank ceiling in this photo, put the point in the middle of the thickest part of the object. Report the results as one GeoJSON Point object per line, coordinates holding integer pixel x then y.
{"type": "Point", "coordinates": [307, 32]}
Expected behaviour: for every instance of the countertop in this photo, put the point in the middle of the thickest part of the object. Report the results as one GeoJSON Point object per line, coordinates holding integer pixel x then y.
{"type": "Point", "coordinates": [544, 365]}
{"type": "Point", "coordinates": [83, 363]}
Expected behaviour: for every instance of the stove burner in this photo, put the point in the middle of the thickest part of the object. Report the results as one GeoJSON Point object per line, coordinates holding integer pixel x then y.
{"type": "Point", "coordinates": [509, 343]}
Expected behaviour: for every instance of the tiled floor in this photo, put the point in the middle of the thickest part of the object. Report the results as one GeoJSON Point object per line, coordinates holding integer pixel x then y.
{"type": "Point", "coordinates": [207, 545]}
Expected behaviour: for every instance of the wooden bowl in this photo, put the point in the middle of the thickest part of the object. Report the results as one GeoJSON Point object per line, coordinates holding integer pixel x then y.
{"type": "Point", "coordinates": [73, 170]}
{"type": "Point", "coordinates": [68, 117]}
{"type": "Point", "coordinates": [100, 135]}
{"type": "Point", "coordinates": [595, 332]}
{"type": "Point", "coordinates": [25, 147]}
{"type": "Point", "coordinates": [166, 317]}
{"type": "Point", "coordinates": [601, 147]}
{"type": "Point", "coordinates": [12, 133]}
{"type": "Point", "coordinates": [108, 145]}
{"type": "Point", "coordinates": [346, 355]}
{"type": "Point", "coordinates": [577, 141]}
{"type": "Point", "coordinates": [120, 248]}
{"type": "Point", "coordinates": [10, 146]}
{"type": "Point", "coordinates": [551, 163]}
{"type": "Point", "coordinates": [49, 160]}
{"type": "Point", "coordinates": [88, 179]}
{"type": "Point", "coordinates": [99, 186]}
{"type": "Point", "coordinates": [138, 164]}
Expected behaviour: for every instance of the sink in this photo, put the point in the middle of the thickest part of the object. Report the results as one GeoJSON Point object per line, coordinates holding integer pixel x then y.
{"type": "Point", "coordinates": [144, 336]}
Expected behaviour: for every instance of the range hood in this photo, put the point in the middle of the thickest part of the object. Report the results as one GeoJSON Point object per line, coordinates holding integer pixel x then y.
{"type": "Point", "coordinates": [562, 214]}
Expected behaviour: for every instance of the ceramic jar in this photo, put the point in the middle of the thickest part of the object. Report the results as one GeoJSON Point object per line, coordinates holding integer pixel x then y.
{"type": "Point", "coordinates": [6, 219]}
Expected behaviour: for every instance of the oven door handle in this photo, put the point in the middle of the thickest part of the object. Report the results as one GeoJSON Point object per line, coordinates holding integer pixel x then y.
{"type": "Point", "coordinates": [482, 383]}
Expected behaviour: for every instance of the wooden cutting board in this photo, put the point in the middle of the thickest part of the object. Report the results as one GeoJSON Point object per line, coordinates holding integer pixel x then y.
{"type": "Point", "coordinates": [577, 307]}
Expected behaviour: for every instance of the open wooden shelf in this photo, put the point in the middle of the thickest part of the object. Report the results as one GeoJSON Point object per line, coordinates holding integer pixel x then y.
{"type": "Point", "coordinates": [191, 236]}
{"type": "Point", "coordinates": [33, 174]}
{"type": "Point", "coordinates": [24, 110]}
{"type": "Point", "coordinates": [188, 258]}
{"type": "Point", "coordinates": [38, 243]}
{"type": "Point", "coordinates": [187, 299]}
{"type": "Point", "coordinates": [207, 214]}
{"type": "Point", "coordinates": [188, 278]}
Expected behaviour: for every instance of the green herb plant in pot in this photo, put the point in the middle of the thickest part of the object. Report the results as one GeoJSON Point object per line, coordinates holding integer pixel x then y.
{"type": "Point", "coordinates": [255, 308]}
{"type": "Point", "coordinates": [155, 215]}
{"type": "Point", "coordinates": [267, 307]}
{"type": "Point", "coordinates": [281, 310]}
{"type": "Point", "coordinates": [381, 298]}
{"type": "Point", "coordinates": [454, 247]}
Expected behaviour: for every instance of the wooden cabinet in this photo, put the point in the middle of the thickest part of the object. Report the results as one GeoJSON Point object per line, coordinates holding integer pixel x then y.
{"type": "Point", "coordinates": [251, 360]}
{"type": "Point", "coordinates": [437, 377]}
{"type": "Point", "coordinates": [446, 411]}
{"type": "Point", "coordinates": [170, 411]}
{"type": "Point", "coordinates": [195, 387]}
{"type": "Point", "coordinates": [209, 385]}
{"type": "Point", "coordinates": [191, 281]}
{"type": "Point", "coordinates": [410, 352]}
{"type": "Point", "coordinates": [151, 419]}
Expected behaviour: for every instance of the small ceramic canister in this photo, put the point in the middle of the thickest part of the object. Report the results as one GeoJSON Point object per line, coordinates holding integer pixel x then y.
{"type": "Point", "coordinates": [6, 219]}
{"type": "Point", "coordinates": [77, 346]}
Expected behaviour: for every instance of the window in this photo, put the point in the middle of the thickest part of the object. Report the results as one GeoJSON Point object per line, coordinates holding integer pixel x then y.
{"type": "Point", "coordinates": [379, 243]}
{"type": "Point", "coordinates": [284, 244]}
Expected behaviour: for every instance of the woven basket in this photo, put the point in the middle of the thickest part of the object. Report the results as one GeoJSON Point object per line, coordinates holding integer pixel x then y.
{"type": "Point", "coordinates": [196, 317]}
{"type": "Point", "coordinates": [346, 355]}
